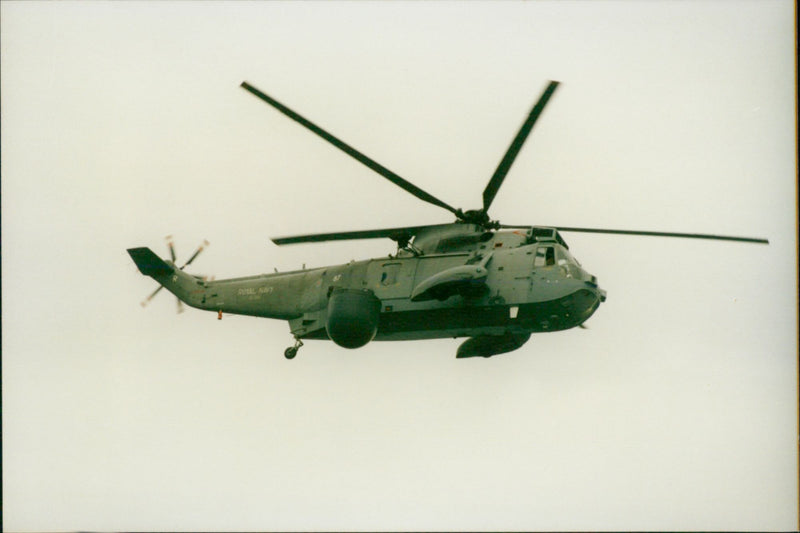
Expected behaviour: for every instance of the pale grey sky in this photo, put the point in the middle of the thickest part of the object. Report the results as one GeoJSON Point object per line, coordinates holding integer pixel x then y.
{"type": "Point", "coordinates": [123, 122]}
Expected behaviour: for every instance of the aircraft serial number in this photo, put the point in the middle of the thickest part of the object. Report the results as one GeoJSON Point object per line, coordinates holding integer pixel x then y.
{"type": "Point", "coordinates": [252, 291]}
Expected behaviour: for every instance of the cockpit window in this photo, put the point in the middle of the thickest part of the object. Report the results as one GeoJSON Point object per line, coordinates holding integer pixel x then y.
{"type": "Point", "coordinates": [545, 256]}
{"type": "Point", "coordinates": [562, 252]}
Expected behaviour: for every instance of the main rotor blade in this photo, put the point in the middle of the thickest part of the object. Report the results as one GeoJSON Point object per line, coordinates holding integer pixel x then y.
{"type": "Point", "coordinates": [349, 150]}
{"type": "Point", "coordinates": [516, 145]}
{"type": "Point", "coordinates": [665, 234]}
{"type": "Point", "coordinates": [392, 233]}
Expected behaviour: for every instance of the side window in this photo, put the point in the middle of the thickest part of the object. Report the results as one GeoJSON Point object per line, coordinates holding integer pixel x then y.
{"type": "Point", "coordinates": [545, 256]}
{"type": "Point", "coordinates": [389, 273]}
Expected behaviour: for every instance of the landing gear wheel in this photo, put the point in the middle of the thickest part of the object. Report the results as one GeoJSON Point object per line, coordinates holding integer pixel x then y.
{"type": "Point", "coordinates": [291, 351]}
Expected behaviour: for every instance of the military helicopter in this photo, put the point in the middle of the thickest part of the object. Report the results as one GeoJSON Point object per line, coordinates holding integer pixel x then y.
{"type": "Point", "coordinates": [493, 283]}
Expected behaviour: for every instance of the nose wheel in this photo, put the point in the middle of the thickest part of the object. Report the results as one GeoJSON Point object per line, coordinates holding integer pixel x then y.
{"type": "Point", "coordinates": [291, 351]}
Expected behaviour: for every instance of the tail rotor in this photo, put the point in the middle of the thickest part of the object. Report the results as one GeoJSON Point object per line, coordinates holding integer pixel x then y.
{"type": "Point", "coordinates": [171, 247]}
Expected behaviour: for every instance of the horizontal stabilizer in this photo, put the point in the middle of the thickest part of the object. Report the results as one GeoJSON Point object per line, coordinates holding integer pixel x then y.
{"type": "Point", "coordinates": [148, 262]}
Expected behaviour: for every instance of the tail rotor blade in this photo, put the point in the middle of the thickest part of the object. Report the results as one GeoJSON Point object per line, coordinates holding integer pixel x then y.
{"type": "Point", "coordinates": [195, 254]}
{"type": "Point", "coordinates": [152, 295]}
{"type": "Point", "coordinates": [171, 247]}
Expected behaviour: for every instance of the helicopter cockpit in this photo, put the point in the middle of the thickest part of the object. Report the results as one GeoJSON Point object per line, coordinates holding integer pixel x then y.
{"type": "Point", "coordinates": [555, 256]}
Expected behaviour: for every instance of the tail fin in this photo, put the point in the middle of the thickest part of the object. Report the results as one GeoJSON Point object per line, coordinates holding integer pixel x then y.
{"type": "Point", "coordinates": [168, 276]}
{"type": "Point", "coordinates": [148, 262]}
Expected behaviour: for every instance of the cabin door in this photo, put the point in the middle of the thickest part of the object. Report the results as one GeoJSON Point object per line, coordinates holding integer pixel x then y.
{"type": "Point", "coordinates": [392, 278]}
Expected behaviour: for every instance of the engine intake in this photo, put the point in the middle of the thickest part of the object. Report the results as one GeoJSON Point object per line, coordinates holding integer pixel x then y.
{"type": "Point", "coordinates": [353, 317]}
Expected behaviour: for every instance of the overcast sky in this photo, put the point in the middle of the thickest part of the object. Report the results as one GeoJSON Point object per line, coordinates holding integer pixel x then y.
{"type": "Point", "coordinates": [123, 122]}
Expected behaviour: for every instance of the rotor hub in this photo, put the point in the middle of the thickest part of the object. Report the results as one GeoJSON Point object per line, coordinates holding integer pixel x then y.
{"type": "Point", "coordinates": [479, 217]}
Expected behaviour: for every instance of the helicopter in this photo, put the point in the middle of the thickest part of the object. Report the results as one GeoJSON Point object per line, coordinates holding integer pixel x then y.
{"type": "Point", "coordinates": [493, 283]}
